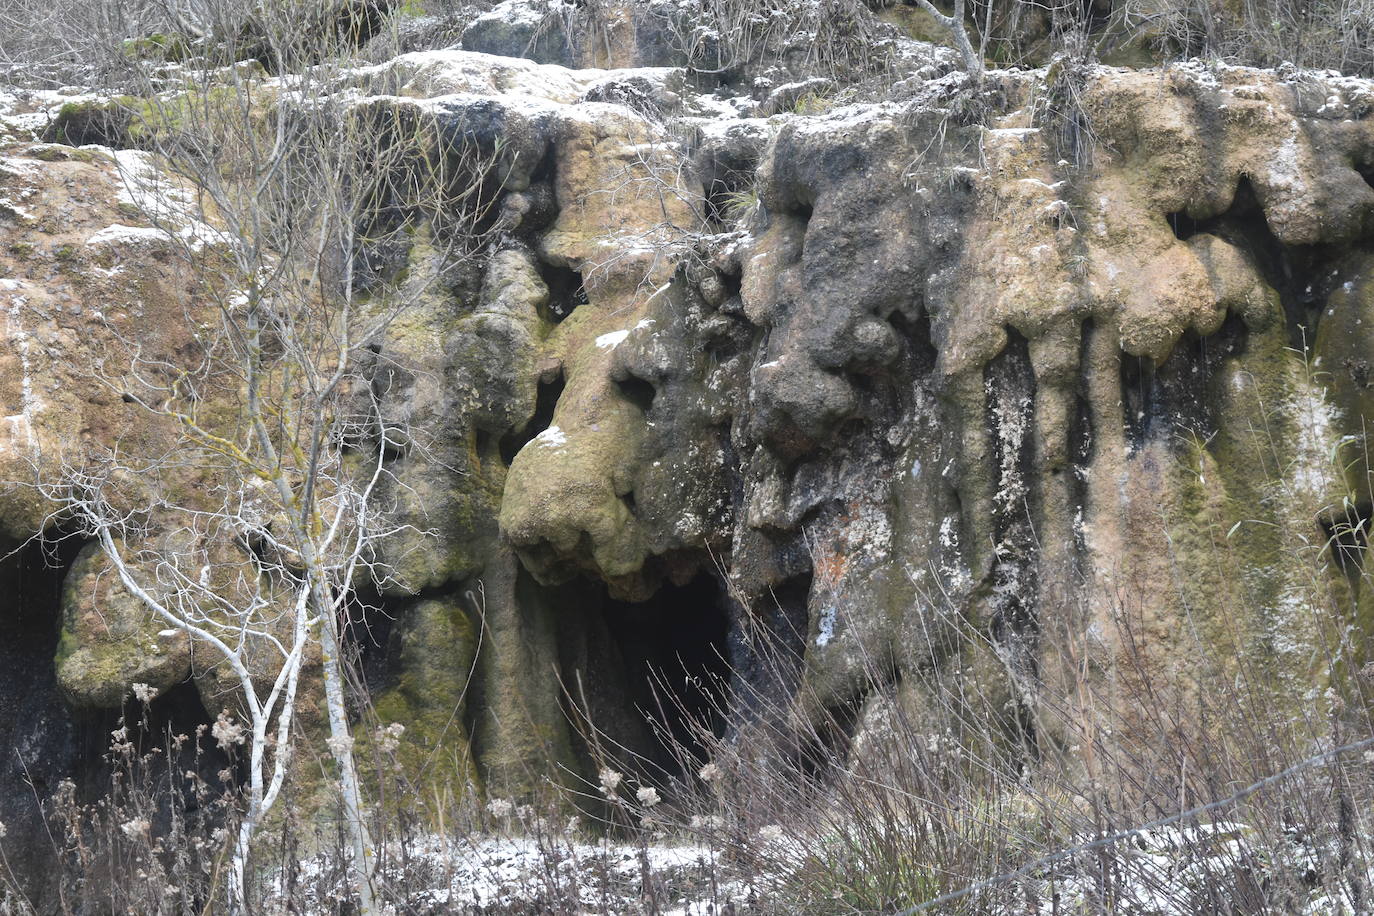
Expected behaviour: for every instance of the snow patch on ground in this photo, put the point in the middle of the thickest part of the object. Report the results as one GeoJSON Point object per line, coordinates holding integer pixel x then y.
{"type": "Point", "coordinates": [524, 874]}
{"type": "Point", "coordinates": [127, 235]}
{"type": "Point", "coordinates": [451, 72]}
{"type": "Point", "coordinates": [25, 113]}
{"type": "Point", "coordinates": [1173, 871]}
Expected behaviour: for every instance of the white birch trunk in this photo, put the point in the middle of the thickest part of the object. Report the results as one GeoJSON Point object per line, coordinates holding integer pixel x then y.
{"type": "Point", "coordinates": [341, 745]}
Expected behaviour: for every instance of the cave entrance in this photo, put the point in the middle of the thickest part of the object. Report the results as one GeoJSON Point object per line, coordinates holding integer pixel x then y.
{"type": "Point", "coordinates": [546, 401]}
{"type": "Point", "coordinates": [40, 740]}
{"type": "Point", "coordinates": [670, 655]}
{"type": "Point", "coordinates": [566, 291]}
{"type": "Point", "coordinates": [46, 742]}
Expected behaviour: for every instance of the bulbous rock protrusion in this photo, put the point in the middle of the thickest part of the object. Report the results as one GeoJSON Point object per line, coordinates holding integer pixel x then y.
{"type": "Point", "coordinates": [111, 640]}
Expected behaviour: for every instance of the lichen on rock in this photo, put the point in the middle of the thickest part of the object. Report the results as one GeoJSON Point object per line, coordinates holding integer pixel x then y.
{"type": "Point", "coordinates": [999, 382]}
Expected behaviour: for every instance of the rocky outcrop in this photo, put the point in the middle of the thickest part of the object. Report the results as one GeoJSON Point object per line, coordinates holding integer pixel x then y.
{"type": "Point", "coordinates": [1045, 387]}
{"type": "Point", "coordinates": [1053, 391]}
{"type": "Point", "coordinates": [87, 277]}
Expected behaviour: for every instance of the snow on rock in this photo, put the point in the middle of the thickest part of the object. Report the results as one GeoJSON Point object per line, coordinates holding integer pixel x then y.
{"type": "Point", "coordinates": [611, 340]}
{"type": "Point", "coordinates": [512, 13]}
{"type": "Point", "coordinates": [429, 74]}
{"type": "Point", "coordinates": [553, 437]}
{"type": "Point", "coordinates": [140, 236]}
{"type": "Point", "coordinates": [172, 207]}
{"type": "Point", "coordinates": [25, 113]}
{"type": "Point", "coordinates": [614, 339]}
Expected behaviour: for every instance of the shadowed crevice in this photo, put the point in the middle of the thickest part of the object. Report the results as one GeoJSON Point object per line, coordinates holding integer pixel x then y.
{"type": "Point", "coordinates": [546, 400]}
{"type": "Point", "coordinates": [566, 292]}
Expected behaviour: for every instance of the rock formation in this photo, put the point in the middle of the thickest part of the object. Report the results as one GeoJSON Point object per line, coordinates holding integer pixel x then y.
{"type": "Point", "coordinates": [1050, 386]}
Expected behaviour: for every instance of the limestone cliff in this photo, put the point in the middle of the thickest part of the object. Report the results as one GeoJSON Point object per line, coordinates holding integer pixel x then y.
{"type": "Point", "coordinates": [1047, 386]}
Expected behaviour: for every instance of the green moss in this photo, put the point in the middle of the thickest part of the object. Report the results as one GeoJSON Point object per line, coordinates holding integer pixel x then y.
{"type": "Point", "coordinates": [105, 257]}
{"type": "Point", "coordinates": [522, 729]}
{"type": "Point", "coordinates": [1198, 521]}
{"type": "Point", "coordinates": [435, 644]}
{"type": "Point", "coordinates": [916, 23]}
{"type": "Point", "coordinates": [812, 103]}
{"type": "Point", "coordinates": [159, 46]}
{"type": "Point", "coordinates": [66, 646]}
{"type": "Point", "coordinates": [55, 152]}
{"type": "Point", "coordinates": [66, 252]}
{"type": "Point", "coordinates": [100, 122]}
{"type": "Point", "coordinates": [154, 121]}
{"type": "Point", "coordinates": [1242, 531]}
{"type": "Point", "coordinates": [1342, 349]}
{"type": "Point", "coordinates": [126, 120]}
{"type": "Point", "coordinates": [88, 672]}
{"type": "Point", "coordinates": [97, 675]}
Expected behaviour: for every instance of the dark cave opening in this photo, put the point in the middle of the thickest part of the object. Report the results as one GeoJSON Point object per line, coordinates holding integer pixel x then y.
{"type": "Point", "coordinates": [1347, 539]}
{"type": "Point", "coordinates": [729, 194]}
{"type": "Point", "coordinates": [767, 651]}
{"type": "Point", "coordinates": [1010, 383]}
{"type": "Point", "coordinates": [1137, 393]}
{"type": "Point", "coordinates": [40, 741]}
{"type": "Point", "coordinates": [716, 202]}
{"type": "Point", "coordinates": [371, 617]}
{"type": "Point", "coordinates": [546, 400]}
{"type": "Point", "coordinates": [90, 123]}
{"type": "Point", "coordinates": [540, 196]}
{"type": "Point", "coordinates": [153, 730]}
{"type": "Point", "coordinates": [486, 445]}
{"type": "Point", "coordinates": [389, 381]}
{"type": "Point", "coordinates": [1244, 225]}
{"type": "Point", "coordinates": [1173, 396]}
{"type": "Point", "coordinates": [1082, 436]}
{"type": "Point", "coordinates": [650, 678]}
{"type": "Point", "coordinates": [45, 741]}
{"type": "Point", "coordinates": [733, 283]}
{"type": "Point", "coordinates": [915, 335]}
{"type": "Point", "coordinates": [676, 663]}
{"type": "Point", "coordinates": [350, 438]}
{"type": "Point", "coordinates": [547, 167]}
{"type": "Point", "coordinates": [566, 291]}
{"type": "Point", "coordinates": [1014, 621]}
{"type": "Point", "coordinates": [1366, 170]}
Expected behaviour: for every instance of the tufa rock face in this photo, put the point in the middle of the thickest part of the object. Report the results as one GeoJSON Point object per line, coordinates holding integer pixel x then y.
{"type": "Point", "coordinates": [110, 640]}
{"type": "Point", "coordinates": [992, 400]}
{"type": "Point", "coordinates": [84, 271]}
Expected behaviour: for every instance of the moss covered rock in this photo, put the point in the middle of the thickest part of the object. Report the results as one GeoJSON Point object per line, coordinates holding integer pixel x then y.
{"type": "Point", "coordinates": [111, 640]}
{"type": "Point", "coordinates": [433, 649]}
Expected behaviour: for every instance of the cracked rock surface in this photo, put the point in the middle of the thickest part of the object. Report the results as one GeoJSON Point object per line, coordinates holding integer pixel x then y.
{"type": "Point", "coordinates": [1079, 375]}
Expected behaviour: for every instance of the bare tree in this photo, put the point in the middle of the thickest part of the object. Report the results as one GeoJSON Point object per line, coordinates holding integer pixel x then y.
{"type": "Point", "coordinates": [104, 41]}
{"type": "Point", "coordinates": [251, 524]}
{"type": "Point", "coordinates": [973, 61]}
